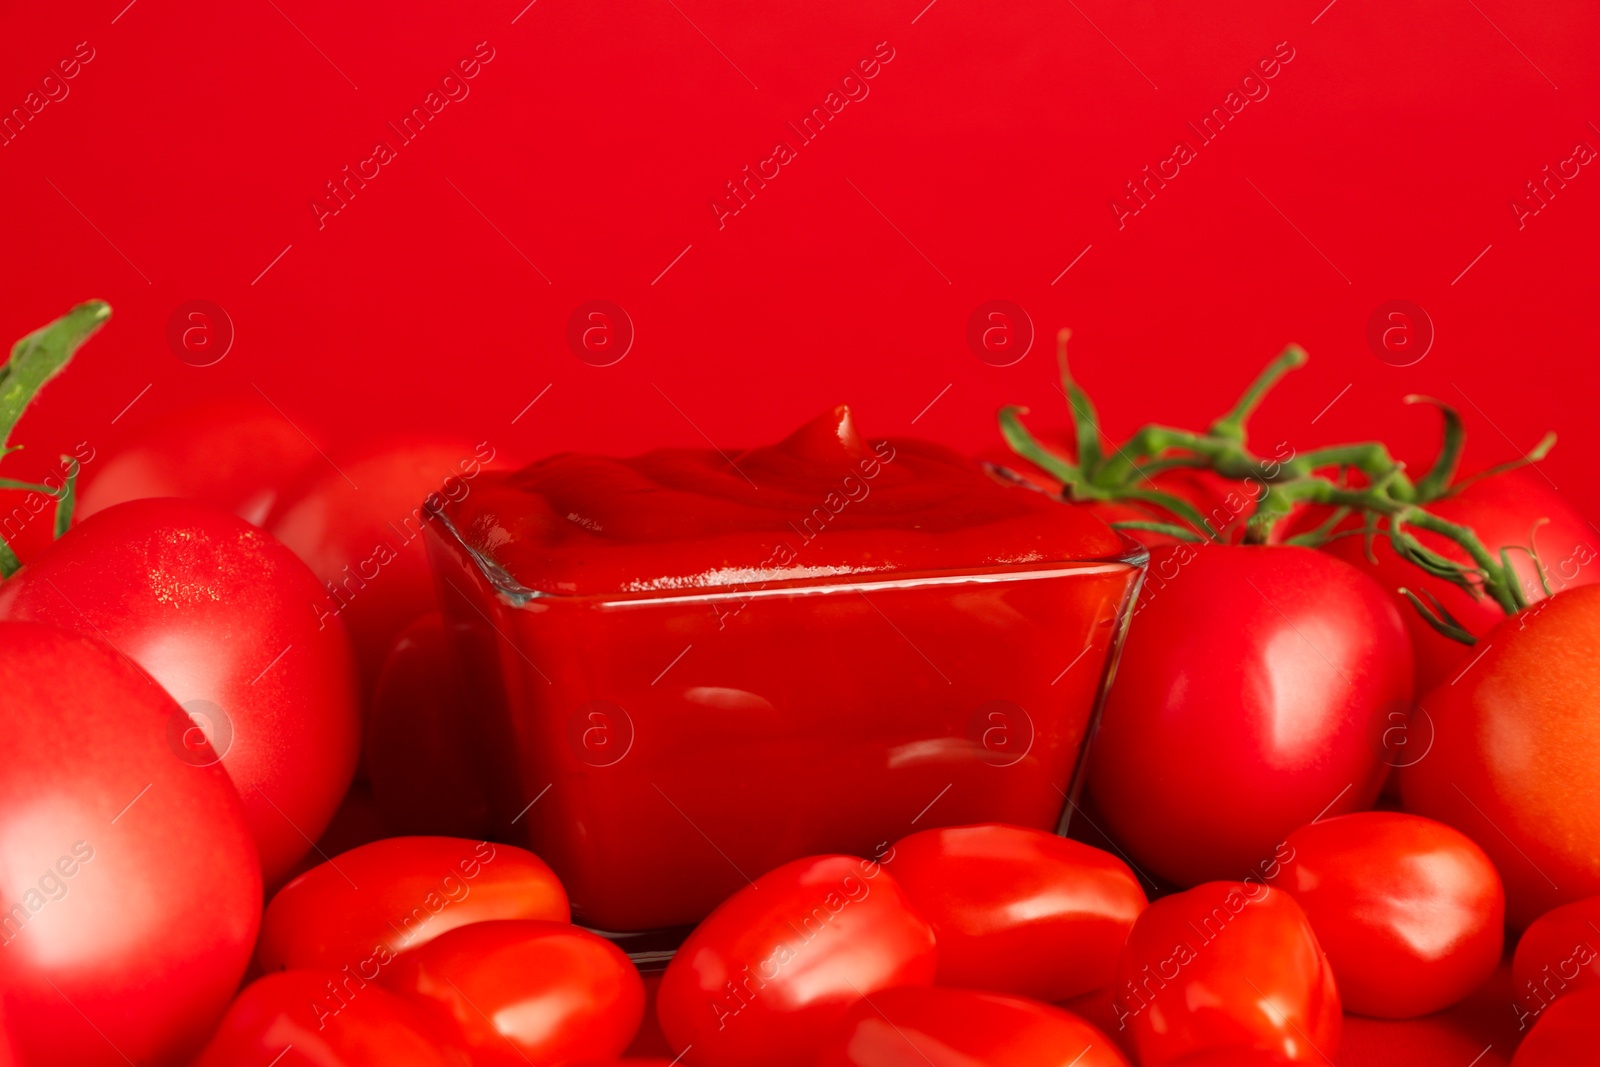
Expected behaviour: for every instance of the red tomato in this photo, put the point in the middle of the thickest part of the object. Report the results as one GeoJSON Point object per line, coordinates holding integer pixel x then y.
{"type": "Point", "coordinates": [915, 1027]}
{"type": "Point", "coordinates": [1019, 910]}
{"type": "Point", "coordinates": [1515, 762]}
{"type": "Point", "coordinates": [1502, 511]}
{"type": "Point", "coordinates": [1558, 954]}
{"type": "Point", "coordinates": [319, 1018]}
{"type": "Point", "coordinates": [765, 975]}
{"type": "Point", "coordinates": [359, 525]}
{"type": "Point", "coordinates": [379, 900]}
{"type": "Point", "coordinates": [237, 456]}
{"type": "Point", "coordinates": [418, 757]}
{"type": "Point", "coordinates": [1409, 911]}
{"type": "Point", "coordinates": [129, 883]}
{"type": "Point", "coordinates": [1566, 1035]}
{"type": "Point", "coordinates": [1245, 705]}
{"type": "Point", "coordinates": [522, 992]}
{"type": "Point", "coordinates": [1239, 1056]}
{"type": "Point", "coordinates": [1222, 965]}
{"type": "Point", "coordinates": [222, 615]}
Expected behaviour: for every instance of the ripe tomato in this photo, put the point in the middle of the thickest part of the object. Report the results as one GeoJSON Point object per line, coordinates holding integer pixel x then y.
{"type": "Point", "coordinates": [1244, 706]}
{"type": "Point", "coordinates": [423, 776]}
{"type": "Point", "coordinates": [765, 975]}
{"type": "Point", "coordinates": [318, 1018]}
{"type": "Point", "coordinates": [1409, 911]}
{"type": "Point", "coordinates": [1515, 763]}
{"type": "Point", "coordinates": [1502, 510]}
{"type": "Point", "coordinates": [522, 992]}
{"type": "Point", "coordinates": [222, 616]}
{"type": "Point", "coordinates": [1019, 910]}
{"type": "Point", "coordinates": [378, 900]}
{"type": "Point", "coordinates": [359, 525]}
{"type": "Point", "coordinates": [1226, 964]}
{"type": "Point", "coordinates": [237, 456]}
{"type": "Point", "coordinates": [129, 883]}
{"type": "Point", "coordinates": [1558, 954]}
{"type": "Point", "coordinates": [916, 1027]}
{"type": "Point", "coordinates": [1238, 1056]}
{"type": "Point", "coordinates": [1566, 1035]}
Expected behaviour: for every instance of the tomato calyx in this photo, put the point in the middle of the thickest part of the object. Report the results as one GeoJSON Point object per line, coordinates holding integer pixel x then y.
{"type": "Point", "coordinates": [36, 359]}
{"type": "Point", "coordinates": [1360, 479]}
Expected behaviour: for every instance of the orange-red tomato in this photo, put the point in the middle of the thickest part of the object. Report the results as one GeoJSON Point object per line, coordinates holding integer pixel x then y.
{"type": "Point", "coordinates": [1409, 911]}
{"type": "Point", "coordinates": [1558, 954]}
{"type": "Point", "coordinates": [768, 973]}
{"type": "Point", "coordinates": [520, 991]}
{"type": "Point", "coordinates": [1222, 965]}
{"type": "Point", "coordinates": [1515, 762]}
{"type": "Point", "coordinates": [1566, 1035]}
{"type": "Point", "coordinates": [360, 909]}
{"type": "Point", "coordinates": [916, 1027]}
{"type": "Point", "coordinates": [324, 1018]}
{"type": "Point", "coordinates": [1019, 910]}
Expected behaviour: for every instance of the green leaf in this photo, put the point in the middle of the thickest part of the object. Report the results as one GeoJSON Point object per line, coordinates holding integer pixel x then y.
{"type": "Point", "coordinates": [39, 356]}
{"type": "Point", "coordinates": [67, 501]}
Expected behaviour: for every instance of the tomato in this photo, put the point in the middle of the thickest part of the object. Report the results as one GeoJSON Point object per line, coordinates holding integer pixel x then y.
{"type": "Point", "coordinates": [1515, 762]}
{"type": "Point", "coordinates": [1409, 911]}
{"type": "Point", "coordinates": [1225, 964]}
{"type": "Point", "coordinates": [1558, 954]}
{"type": "Point", "coordinates": [523, 992]}
{"type": "Point", "coordinates": [237, 456]}
{"type": "Point", "coordinates": [1239, 1056]}
{"type": "Point", "coordinates": [1503, 511]}
{"type": "Point", "coordinates": [423, 776]}
{"type": "Point", "coordinates": [1244, 706]}
{"type": "Point", "coordinates": [378, 900]}
{"type": "Point", "coordinates": [358, 526]}
{"type": "Point", "coordinates": [222, 615]}
{"type": "Point", "coordinates": [129, 882]}
{"type": "Point", "coordinates": [324, 1018]}
{"type": "Point", "coordinates": [1566, 1035]}
{"type": "Point", "coordinates": [915, 1027]}
{"type": "Point", "coordinates": [1019, 910]}
{"type": "Point", "coordinates": [767, 974]}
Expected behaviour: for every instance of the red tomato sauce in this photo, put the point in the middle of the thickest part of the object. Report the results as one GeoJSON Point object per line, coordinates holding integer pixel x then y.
{"type": "Point", "coordinates": [690, 667]}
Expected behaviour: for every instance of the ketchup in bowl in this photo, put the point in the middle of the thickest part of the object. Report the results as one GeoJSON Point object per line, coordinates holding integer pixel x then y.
{"type": "Point", "coordinates": [691, 667]}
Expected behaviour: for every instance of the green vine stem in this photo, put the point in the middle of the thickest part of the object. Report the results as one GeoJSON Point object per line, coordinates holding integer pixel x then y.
{"type": "Point", "coordinates": [35, 360]}
{"type": "Point", "coordinates": [1126, 472]}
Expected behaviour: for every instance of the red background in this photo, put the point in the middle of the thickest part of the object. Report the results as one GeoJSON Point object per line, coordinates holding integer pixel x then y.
{"type": "Point", "coordinates": [1381, 166]}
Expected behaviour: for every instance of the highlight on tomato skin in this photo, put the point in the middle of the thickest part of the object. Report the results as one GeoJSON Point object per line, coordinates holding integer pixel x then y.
{"type": "Point", "coordinates": [364, 907]}
{"type": "Point", "coordinates": [1410, 912]}
{"type": "Point", "coordinates": [766, 975]}
{"type": "Point", "coordinates": [1567, 1034]}
{"type": "Point", "coordinates": [1018, 910]}
{"type": "Point", "coordinates": [1557, 955]}
{"type": "Point", "coordinates": [940, 1027]}
{"type": "Point", "coordinates": [522, 991]}
{"type": "Point", "coordinates": [1226, 964]}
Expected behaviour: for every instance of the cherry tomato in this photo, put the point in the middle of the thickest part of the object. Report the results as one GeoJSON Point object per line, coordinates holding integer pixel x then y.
{"type": "Point", "coordinates": [522, 992]}
{"type": "Point", "coordinates": [1503, 511]}
{"type": "Point", "coordinates": [320, 1018]}
{"type": "Point", "coordinates": [1558, 954]}
{"type": "Point", "coordinates": [382, 899]}
{"type": "Point", "coordinates": [237, 456]}
{"type": "Point", "coordinates": [129, 883]}
{"type": "Point", "coordinates": [1019, 910]}
{"type": "Point", "coordinates": [1409, 911]}
{"type": "Point", "coordinates": [222, 615]}
{"type": "Point", "coordinates": [915, 1027]}
{"type": "Point", "coordinates": [1566, 1035]}
{"type": "Point", "coordinates": [1226, 964]}
{"type": "Point", "coordinates": [359, 528]}
{"type": "Point", "coordinates": [780, 962]}
{"type": "Point", "coordinates": [1515, 762]}
{"type": "Point", "coordinates": [1244, 706]}
{"type": "Point", "coordinates": [418, 757]}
